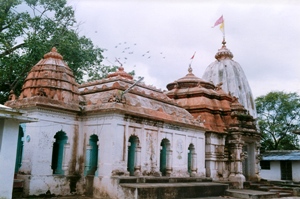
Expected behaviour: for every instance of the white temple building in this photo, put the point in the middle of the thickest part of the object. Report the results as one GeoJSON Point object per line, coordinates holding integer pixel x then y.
{"type": "Point", "coordinates": [92, 137]}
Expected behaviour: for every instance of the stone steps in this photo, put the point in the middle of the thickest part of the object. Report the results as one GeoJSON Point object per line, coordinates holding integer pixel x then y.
{"type": "Point", "coordinates": [18, 187]}
{"type": "Point", "coordinates": [280, 191]}
{"type": "Point", "coordinates": [250, 194]}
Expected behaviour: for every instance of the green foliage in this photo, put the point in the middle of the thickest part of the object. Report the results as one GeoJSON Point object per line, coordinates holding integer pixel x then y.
{"type": "Point", "coordinates": [278, 119]}
{"type": "Point", "coordinates": [29, 29]}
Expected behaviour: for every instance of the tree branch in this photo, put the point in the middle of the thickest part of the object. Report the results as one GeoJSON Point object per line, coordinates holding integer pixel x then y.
{"type": "Point", "coordinates": [8, 51]}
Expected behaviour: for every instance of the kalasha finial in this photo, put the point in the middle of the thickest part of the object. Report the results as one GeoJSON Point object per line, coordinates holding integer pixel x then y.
{"type": "Point", "coordinates": [54, 49]}
{"type": "Point", "coordinates": [224, 42]}
{"type": "Point", "coordinates": [53, 54]}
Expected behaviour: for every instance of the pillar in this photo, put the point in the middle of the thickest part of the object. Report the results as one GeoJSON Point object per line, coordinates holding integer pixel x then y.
{"type": "Point", "coordinates": [87, 165]}
{"type": "Point", "coordinates": [137, 162]}
{"type": "Point", "coordinates": [194, 164]}
{"type": "Point", "coordinates": [65, 164]}
{"type": "Point", "coordinates": [169, 163]}
{"type": "Point", "coordinates": [236, 174]}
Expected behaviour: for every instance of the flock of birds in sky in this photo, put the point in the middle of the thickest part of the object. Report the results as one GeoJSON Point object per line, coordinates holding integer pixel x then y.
{"type": "Point", "coordinates": [124, 50]}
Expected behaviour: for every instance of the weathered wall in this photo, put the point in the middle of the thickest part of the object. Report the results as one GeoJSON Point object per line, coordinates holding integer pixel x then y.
{"type": "Point", "coordinates": [38, 148]}
{"type": "Point", "coordinates": [114, 131]}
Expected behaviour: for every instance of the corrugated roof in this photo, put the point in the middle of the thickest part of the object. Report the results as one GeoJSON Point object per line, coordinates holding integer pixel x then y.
{"type": "Point", "coordinates": [281, 155]}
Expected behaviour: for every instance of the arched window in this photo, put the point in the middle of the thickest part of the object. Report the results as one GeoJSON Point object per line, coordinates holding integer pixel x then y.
{"type": "Point", "coordinates": [92, 156]}
{"type": "Point", "coordinates": [164, 156]}
{"type": "Point", "coordinates": [132, 153]}
{"type": "Point", "coordinates": [58, 152]}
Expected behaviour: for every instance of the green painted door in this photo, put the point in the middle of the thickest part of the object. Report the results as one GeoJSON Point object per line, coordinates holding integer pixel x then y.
{"type": "Point", "coordinates": [93, 155]}
{"type": "Point", "coordinates": [131, 156]}
{"type": "Point", "coordinates": [163, 158]}
{"type": "Point", "coordinates": [19, 150]}
{"type": "Point", "coordinates": [189, 161]}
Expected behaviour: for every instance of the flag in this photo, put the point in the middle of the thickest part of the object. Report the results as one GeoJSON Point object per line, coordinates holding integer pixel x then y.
{"type": "Point", "coordinates": [193, 55]}
{"type": "Point", "coordinates": [219, 21]}
{"type": "Point", "coordinates": [222, 27]}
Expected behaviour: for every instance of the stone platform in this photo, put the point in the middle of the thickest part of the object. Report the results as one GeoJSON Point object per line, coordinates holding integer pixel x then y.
{"type": "Point", "coordinates": [174, 190]}
{"type": "Point", "coordinates": [170, 187]}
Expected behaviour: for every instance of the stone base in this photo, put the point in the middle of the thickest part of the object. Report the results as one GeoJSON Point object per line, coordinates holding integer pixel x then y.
{"type": "Point", "coordinates": [238, 180]}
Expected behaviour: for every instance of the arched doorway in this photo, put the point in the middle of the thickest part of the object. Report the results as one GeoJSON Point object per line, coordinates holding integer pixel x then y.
{"type": "Point", "coordinates": [164, 156]}
{"type": "Point", "coordinates": [132, 153]}
{"type": "Point", "coordinates": [92, 155]}
{"type": "Point", "coordinates": [58, 152]}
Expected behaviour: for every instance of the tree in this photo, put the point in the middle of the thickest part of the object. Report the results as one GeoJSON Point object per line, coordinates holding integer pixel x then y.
{"type": "Point", "coordinates": [29, 29]}
{"type": "Point", "coordinates": [278, 120]}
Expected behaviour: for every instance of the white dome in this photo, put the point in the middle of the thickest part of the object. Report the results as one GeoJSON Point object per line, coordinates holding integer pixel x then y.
{"type": "Point", "coordinates": [230, 73]}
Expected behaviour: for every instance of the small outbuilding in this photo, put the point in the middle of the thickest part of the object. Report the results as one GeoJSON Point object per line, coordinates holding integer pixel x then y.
{"type": "Point", "coordinates": [10, 120]}
{"type": "Point", "coordinates": [280, 165]}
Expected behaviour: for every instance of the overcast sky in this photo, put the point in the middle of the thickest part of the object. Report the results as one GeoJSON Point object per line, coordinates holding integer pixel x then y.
{"type": "Point", "coordinates": [158, 38]}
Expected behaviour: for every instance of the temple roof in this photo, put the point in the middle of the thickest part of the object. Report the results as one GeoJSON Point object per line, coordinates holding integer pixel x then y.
{"type": "Point", "coordinates": [229, 72]}
{"type": "Point", "coordinates": [189, 81]}
{"type": "Point", "coordinates": [205, 101]}
{"type": "Point", "coordinates": [144, 101]}
{"type": "Point", "coordinates": [50, 82]}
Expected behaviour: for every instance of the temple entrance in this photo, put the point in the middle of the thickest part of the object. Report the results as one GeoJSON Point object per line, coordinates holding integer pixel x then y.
{"type": "Point", "coordinates": [165, 147]}
{"type": "Point", "coordinates": [248, 161]}
{"type": "Point", "coordinates": [132, 146]}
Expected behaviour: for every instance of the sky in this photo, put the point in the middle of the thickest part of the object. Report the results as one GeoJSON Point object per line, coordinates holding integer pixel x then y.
{"type": "Point", "coordinates": [157, 39]}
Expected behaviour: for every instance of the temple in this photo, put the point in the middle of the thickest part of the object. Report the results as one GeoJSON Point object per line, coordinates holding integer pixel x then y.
{"type": "Point", "coordinates": [230, 74]}
{"type": "Point", "coordinates": [92, 137]}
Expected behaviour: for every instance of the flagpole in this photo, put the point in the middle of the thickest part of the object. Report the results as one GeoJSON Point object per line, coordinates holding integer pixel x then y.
{"type": "Point", "coordinates": [192, 58]}
{"type": "Point", "coordinates": [223, 29]}
{"type": "Point", "coordinates": [222, 26]}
